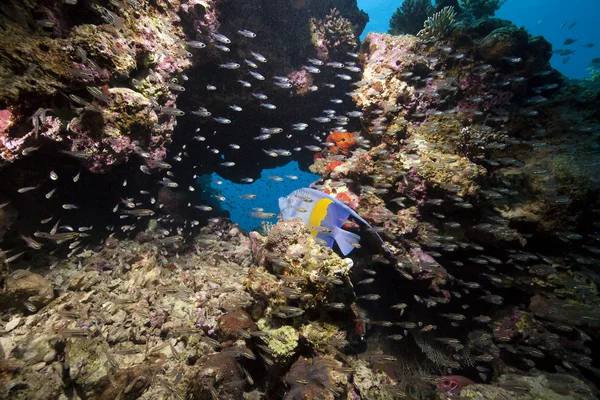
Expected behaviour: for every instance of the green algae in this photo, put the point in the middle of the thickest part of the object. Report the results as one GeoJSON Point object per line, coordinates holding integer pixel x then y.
{"type": "Point", "coordinates": [282, 341]}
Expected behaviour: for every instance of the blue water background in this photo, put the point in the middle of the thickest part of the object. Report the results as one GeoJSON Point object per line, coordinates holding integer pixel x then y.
{"type": "Point", "coordinates": [267, 190]}
{"type": "Point", "coordinates": [527, 13]}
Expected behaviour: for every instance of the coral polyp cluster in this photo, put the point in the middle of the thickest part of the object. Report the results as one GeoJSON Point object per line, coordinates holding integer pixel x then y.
{"type": "Point", "coordinates": [334, 33]}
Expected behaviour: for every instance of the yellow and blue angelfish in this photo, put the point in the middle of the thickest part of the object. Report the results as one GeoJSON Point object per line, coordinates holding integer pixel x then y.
{"type": "Point", "coordinates": [325, 215]}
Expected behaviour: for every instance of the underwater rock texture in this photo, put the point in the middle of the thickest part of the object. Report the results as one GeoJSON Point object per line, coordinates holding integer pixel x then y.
{"type": "Point", "coordinates": [126, 314]}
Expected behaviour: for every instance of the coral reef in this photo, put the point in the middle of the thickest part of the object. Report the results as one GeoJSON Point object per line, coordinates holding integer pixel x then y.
{"type": "Point", "coordinates": [473, 161]}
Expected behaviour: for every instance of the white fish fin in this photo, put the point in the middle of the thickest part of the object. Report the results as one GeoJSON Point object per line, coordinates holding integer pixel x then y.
{"type": "Point", "coordinates": [344, 240]}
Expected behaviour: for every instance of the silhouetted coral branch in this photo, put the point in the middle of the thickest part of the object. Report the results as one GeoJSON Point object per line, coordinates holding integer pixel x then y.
{"type": "Point", "coordinates": [409, 17]}
{"type": "Point", "coordinates": [481, 8]}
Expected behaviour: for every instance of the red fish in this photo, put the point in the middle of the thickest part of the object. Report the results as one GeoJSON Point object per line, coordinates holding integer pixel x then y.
{"type": "Point", "coordinates": [452, 384]}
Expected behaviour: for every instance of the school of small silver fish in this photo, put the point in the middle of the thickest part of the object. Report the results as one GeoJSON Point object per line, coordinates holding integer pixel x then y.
{"type": "Point", "coordinates": [467, 282]}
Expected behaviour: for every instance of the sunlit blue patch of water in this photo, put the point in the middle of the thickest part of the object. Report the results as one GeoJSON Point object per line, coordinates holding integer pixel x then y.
{"type": "Point", "coordinates": [267, 192]}
{"type": "Point", "coordinates": [539, 17]}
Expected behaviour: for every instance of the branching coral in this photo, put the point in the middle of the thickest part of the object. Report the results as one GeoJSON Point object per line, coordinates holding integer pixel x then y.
{"type": "Point", "coordinates": [410, 16]}
{"type": "Point", "coordinates": [481, 8]}
{"type": "Point", "coordinates": [439, 24]}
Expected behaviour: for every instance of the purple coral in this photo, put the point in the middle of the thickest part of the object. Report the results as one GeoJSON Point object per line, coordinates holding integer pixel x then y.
{"type": "Point", "coordinates": [5, 120]}
{"type": "Point", "coordinates": [301, 79]}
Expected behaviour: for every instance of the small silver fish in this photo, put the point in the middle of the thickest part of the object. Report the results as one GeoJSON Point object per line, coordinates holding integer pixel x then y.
{"type": "Point", "coordinates": [313, 148]}
{"type": "Point", "coordinates": [259, 57]}
{"type": "Point", "coordinates": [29, 150]}
{"type": "Point", "coordinates": [222, 120]}
{"type": "Point", "coordinates": [28, 189]}
{"type": "Point", "coordinates": [230, 65]}
{"type": "Point", "coordinates": [370, 297]}
{"type": "Point", "coordinates": [30, 242]}
{"type": "Point", "coordinates": [263, 215]}
{"type": "Point", "coordinates": [299, 126]}
{"type": "Point", "coordinates": [250, 63]}
{"type": "Point", "coordinates": [247, 33]}
{"type": "Point", "coordinates": [271, 130]}
{"type": "Point", "coordinates": [270, 153]}
{"type": "Point", "coordinates": [262, 137]}
{"type": "Point", "coordinates": [195, 44]}
{"type": "Point", "coordinates": [256, 75]}
{"type": "Point", "coordinates": [175, 112]}
{"type": "Point", "coordinates": [13, 258]}
{"type": "Point", "coordinates": [283, 85]}
{"type": "Point", "coordinates": [98, 94]}
{"type": "Point", "coordinates": [175, 87]}
{"type": "Point", "coordinates": [311, 69]}
{"type": "Point", "coordinates": [221, 38]}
